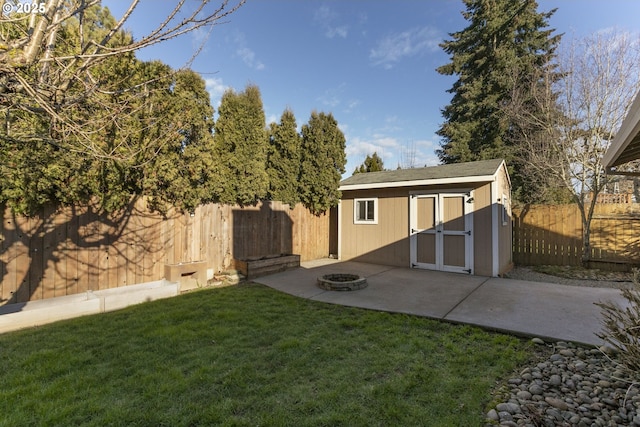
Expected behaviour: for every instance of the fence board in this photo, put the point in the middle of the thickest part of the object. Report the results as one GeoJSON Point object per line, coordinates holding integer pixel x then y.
{"type": "Point", "coordinates": [547, 232]}
{"type": "Point", "coordinates": [76, 249]}
{"type": "Point", "coordinates": [70, 256]}
{"type": "Point", "coordinates": [36, 260]}
{"type": "Point", "coordinates": [553, 235]}
{"type": "Point", "coordinates": [103, 245]}
{"type": "Point", "coordinates": [84, 255]}
{"type": "Point", "coordinates": [48, 253]}
{"type": "Point", "coordinates": [8, 260]}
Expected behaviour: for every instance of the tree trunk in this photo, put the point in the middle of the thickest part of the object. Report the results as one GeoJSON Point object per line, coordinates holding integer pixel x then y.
{"type": "Point", "coordinates": [586, 243]}
{"type": "Point", "coordinates": [587, 215]}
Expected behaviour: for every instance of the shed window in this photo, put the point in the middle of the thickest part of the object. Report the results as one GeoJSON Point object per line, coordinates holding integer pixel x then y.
{"type": "Point", "coordinates": [365, 211]}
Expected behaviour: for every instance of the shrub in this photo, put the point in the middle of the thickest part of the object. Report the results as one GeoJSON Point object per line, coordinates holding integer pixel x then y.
{"type": "Point", "coordinates": [622, 327]}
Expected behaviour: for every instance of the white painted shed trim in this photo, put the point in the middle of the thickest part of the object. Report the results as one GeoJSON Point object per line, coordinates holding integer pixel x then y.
{"type": "Point", "coordinates": [495, 229]}
{"type": "Point", "coordinates": [339, 254]}
{"type": "Point", "coordinates": [421, 182]}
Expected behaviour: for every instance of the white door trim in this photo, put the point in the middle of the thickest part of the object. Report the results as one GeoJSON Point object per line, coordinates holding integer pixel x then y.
{"type": "Point", "coordinates": [339, 254]}
{"type": "Point", "coordinates": [440, 232]}
{"type": "Point", "coordinates": [414, 231]}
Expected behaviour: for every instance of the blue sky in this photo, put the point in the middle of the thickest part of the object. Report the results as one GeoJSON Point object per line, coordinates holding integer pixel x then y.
{"type": "Point", "coordinates": [369, 62]}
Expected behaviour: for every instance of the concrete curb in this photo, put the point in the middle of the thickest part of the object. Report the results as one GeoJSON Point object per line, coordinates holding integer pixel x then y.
{"type": "Point", "coordinates": [35, 313]}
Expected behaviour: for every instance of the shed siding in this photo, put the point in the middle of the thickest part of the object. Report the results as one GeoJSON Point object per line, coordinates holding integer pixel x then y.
{"type": "Point", "coordinates": [387, 242]}
{"type": "Point", "coordinates": [381, 243]}
{"type": "Point", "coordinates": [482, 236]}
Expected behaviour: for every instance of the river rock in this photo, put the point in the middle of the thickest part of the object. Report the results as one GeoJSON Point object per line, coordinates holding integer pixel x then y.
{"type": "Point", "coordinates": [555, 380]}
{"type": "Point", "coordinates": [575, 386]}
{"type": "Point", "coordinates": [536, 389]}
{"type": "Point", "coordinates": [511, 408]}
{"type": "Point", "coordinates": [557, 403]}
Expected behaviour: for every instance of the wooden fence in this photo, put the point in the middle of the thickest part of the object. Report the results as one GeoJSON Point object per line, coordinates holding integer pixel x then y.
{"type": "Point", "coordinates": [75, 249]}
{"type": "Point", "coordinates": [552, 235]}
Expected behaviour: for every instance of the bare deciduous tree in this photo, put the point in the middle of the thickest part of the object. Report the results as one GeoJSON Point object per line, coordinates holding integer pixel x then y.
{"type": "Point", "coordinates": [408, 156]}
{"type": "Point", "coordinates": [586, 95]}
{"type": "Point", "coordinates": [50, 65]}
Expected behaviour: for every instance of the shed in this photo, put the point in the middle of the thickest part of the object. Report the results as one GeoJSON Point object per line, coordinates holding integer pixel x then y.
{"type": "Point", "coordinates": [453, 217]}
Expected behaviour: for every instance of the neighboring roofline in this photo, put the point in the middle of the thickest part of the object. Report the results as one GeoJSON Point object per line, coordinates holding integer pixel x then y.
{"type": "Point", "coordinates": [419, 182]}
{"type": "Point", "coordinates": [611, 171]}
{"type": "Point", "coordinates": [629, 129]}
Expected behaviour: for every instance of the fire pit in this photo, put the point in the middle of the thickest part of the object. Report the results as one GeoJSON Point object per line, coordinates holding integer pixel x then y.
{"type": "Point", "coordinates": [342, 282]}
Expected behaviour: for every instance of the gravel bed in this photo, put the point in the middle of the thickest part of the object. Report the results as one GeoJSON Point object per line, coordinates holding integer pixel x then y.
{"type": "Point", "coordinates": [570, 386]}
{"type": "Point", "coordinates": [526, 273]}
{"type": "Point", "coordinates": [567, 385]}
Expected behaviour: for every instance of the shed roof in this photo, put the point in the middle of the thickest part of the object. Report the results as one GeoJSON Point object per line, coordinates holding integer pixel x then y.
{"type": "Point", "coordinates": [480, 171]}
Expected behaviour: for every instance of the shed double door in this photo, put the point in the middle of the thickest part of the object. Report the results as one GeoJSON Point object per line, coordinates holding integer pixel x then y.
{"type": "Point", "coordinates": [440, 236]}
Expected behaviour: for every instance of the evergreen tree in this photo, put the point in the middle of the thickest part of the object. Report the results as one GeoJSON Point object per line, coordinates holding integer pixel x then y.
{"type": "Point", "coordinates": [360, 169]}
{"type": "Point", "coordinates": [372, 163]}
{"type": "Point", "coordinates": [139, 128]}
{"type": "Point", "coordinates": [505, 46]}
{"type": "Point", "coordinates": [183, 173]}
{"type": "Point", "coordinates": [241, 148]}
{"type": "Point", "coordinates": [283, 160]}
{"type": "Point", "coordinates": [323, 161]}
{"type": "Point", "coordinates": [49, 61]}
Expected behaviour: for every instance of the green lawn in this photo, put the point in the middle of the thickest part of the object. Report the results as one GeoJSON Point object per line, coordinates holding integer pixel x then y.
{"type": "Point", "coordinates": [251, 356]}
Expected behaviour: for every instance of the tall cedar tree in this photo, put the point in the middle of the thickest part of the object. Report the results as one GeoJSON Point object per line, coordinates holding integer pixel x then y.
{"type": "Point", "coordinates": [372, 163]}
{"type": "Point", "coordinates": [183, 172]}
{"type": "Point", "coordinates": [283, 160]}
{"type": "Point", "coordinates": [241, 146]}
{"type": "Point", "coordinates": [323, 162]}
{"type": "Point", "coordinates": [168, 131]}
{"type": "Point", "coordinates": [506, 45]}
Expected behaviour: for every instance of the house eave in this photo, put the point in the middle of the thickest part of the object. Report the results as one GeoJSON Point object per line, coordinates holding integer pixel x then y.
{"type": "Point", "coordinates": [625, 147]}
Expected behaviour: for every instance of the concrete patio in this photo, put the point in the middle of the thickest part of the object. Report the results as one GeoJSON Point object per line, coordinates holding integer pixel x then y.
{"type": "Point", "coordinates": [532, 309]}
